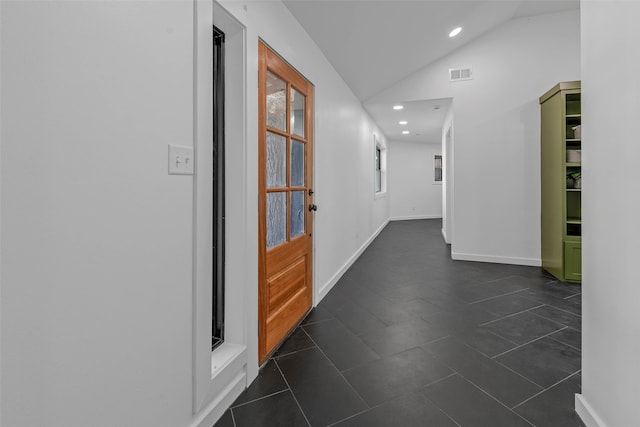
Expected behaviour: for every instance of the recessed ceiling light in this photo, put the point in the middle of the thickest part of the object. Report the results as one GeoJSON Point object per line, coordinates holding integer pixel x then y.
{"type": "Point", "coordinates": [455, 32]}
{"type": "Point", "coordinates": [398, 107]}
{"type": "Point", "coordinates": [402, 122]}
{"type": "Point", "coordinates": [405, 132]}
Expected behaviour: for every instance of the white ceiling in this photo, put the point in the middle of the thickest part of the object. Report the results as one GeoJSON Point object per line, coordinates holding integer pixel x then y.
{"type": "Point", "coordinates": [374, 44]}
{"type": "Point", "coordinates": [424, 120]}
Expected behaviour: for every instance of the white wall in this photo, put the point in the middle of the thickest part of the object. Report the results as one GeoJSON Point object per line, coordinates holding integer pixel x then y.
{"type": "Point", "coordinates": [412, 191]}
{"type": "Point", "coordinates": [610, 205]}
{"type": "Point", "coordinates": [96, 236]}
{"type": "Point", "coordinates": [497, 178]}
{"type": "Point", "coordinates": [97, 262]}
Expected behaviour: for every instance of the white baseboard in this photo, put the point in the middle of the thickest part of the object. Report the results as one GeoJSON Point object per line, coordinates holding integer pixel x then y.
{"type": "Point", "coordinates": [533, 262]}
{"type": "Point", "coordinates": [410, 217]}
{"type": "Point", "coordinates": [324, 290]}
{"type": "Point", "coordinates": [586, 413]}
{"type": "Point", "coordinates": [444, 235]}
{"type": "Point", "coordinates": [216, 409]}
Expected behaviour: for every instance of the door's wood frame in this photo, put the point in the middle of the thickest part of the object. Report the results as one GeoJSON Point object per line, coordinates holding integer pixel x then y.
{"type": "Point", "coordinates": [270, 60]}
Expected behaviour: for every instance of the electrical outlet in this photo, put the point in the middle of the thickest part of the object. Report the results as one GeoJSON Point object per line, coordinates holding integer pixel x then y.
{"type": "Point", "coordinates": [180, 160]}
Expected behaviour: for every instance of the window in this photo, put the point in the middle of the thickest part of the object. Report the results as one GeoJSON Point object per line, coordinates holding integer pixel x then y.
{"type": "Point", "coordinates": [218, 189]}
{"type": "Point", "coordinates": [378, 170]}
{"type": "Point", "coordinates": [380, 162]}
{"type": "Point", "coordinates": [437, 168]}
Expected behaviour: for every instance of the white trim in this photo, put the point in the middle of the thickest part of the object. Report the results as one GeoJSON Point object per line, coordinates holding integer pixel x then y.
{"type": "Point", "coordinates": [411, 217]}
{"type": "Point", "coordinates": [380, 195]}
{"type": "Point", "coordinates": [586, 413]}
{"type": "Point", "coordinates": [214, 390]}
{"type": "Point", "coordinates": [444, 235]}
{"type": "Point", "coordinates": [533, 262]}
{"type": "Point", "coordinates": [324, 290]}
{"type": "Point", "coordinates": [216, 409]}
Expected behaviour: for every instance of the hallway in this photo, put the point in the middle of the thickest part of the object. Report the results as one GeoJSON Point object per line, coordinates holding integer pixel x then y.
{"type": "Point", "coordinates": [409, 337]}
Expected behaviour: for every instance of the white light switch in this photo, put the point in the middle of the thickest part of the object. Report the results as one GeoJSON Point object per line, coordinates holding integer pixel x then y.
{"type": "Point", "coordinates": [180, 160]}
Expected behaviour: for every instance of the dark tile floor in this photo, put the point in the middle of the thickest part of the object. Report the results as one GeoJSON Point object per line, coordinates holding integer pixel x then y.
{"type": "Point", "coordinates": [409, 337]}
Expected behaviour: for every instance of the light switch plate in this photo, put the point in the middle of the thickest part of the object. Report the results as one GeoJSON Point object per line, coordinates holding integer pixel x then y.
{"type": "Point", "coordinates": [180, 160]}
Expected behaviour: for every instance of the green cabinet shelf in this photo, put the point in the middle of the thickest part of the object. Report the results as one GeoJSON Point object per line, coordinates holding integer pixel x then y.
{"type": "Point", "coordinates": [561, 201]}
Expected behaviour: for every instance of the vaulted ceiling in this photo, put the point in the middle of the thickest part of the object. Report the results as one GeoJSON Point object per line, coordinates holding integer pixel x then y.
{"type": "Point", "coordinates": [374, 44]}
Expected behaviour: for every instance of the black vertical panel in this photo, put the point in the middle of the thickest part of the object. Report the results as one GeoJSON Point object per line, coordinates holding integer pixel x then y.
{"type": "Point", "coordinates": [218, 188]}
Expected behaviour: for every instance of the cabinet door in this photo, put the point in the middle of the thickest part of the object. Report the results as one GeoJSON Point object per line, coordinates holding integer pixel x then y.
{"type": "Point", "coordinates": [573, 261]}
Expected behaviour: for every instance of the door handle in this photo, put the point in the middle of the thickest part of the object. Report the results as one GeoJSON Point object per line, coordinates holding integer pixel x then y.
{"type": "Point", "coordinates": [312, 207]}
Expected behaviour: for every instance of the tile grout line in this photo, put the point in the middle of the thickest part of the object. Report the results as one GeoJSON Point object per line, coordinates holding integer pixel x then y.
{"type": "Point", "coordinates": [562, 342]}
{"type": "Point", "coordinates": [504, 366]}
{"type": "Point", "coordinates": [274, 357]}
{"type": "Point", "coordinates": [563, 310]}
{"type": "Point", "coordinates": [546, 389]}
{"type": "Point", "coordinates": [515, 314]}
{"type": "Point", "coordinates": [529, 342]}
{"type": "Point", "coordinates": [233, 418]}
{"type": "Point", "coordinates": [499, 296]}
{"type": "Point", "coordinates": [260, 398]}
{"type": "Point", "coordinates": [483, 391]}
{"type": "Point", "coordinates": [436, 405]}
{"type": "Point", "coordinates": [339, 371]}
{"type": "Point", "coordinates": [292, 394]}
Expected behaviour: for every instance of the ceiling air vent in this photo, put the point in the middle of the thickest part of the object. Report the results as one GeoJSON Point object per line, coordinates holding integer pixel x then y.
{"type": "Point", "coordinates": [457, 74]}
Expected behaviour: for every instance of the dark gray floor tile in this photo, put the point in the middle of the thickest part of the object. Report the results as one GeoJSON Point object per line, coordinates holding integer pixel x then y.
{"type": "Point", "coordinates": [470, 406]}
{"type": "Point", "coordinates": [297, 341]}
{"type": "Point", "coordinates": [340, 345]}
{"type": "Point", "coordinates": [484, 341]}
{"type": "Point", "coordinates": [413, 410]}
{"type": "Point", "coordinates": [226, 420]}
{"type": "Point", "coordinates": [459, 319]}
{"type": "Point", "coordinates": [557, 315]}
{"type": "Point", "coordinates": [557, 289]}
{"type": "Point", "coordinates": [508, 304]}
{"type": "Point", "coordinates": [523, 327]}
{"type": "Point", "coordinates": [419, 307]}
{"type": "Point", "coordinates": [407, 275]}
{"type": "Point", "coordinates": [544, 361]}
{"type": "Point", "coordinates": [318, 314]}
{"type": "Point", "coordinates": [278, 410]}
{"type": "Point", "coordinates": [555, 406]}
{"type": "Point", "coordinates": [393, 376]}
{"type": "Point", "coordinates": [569, 336]}
{"type": "Point", "coordinates": [322, 392]}
{"type": "Point", "coordinates": [402, 336]}
{"type": "Point", "coordinates": [335, 301]}
{"type": "Point", "coordinates": [269, 381]}
{"type": "Point", "coordinates": [492, 377]}
{"type": "Point", "coordinates": [550, 296]}
{"type": "Point", "coordinates": [359, 320]}
{"type": "Point", "coordinates": [492, 289]}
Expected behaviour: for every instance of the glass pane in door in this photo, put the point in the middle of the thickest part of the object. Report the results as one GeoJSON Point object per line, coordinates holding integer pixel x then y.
{"type": "Point", "coordinates": [297, 164]}
{"type": "Point", "coordinates": [276, 160]}
{"type": "Point", "coordinates": [297, 113]}
{"type": "Point", "coordinates": [297, 213]}
{"type": "Point", "coordinates": [276, 218]}
{"type": "Point", "coordinates": [276, 102]}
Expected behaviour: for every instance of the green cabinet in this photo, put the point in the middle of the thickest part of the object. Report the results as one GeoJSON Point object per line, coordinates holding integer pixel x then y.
{"type": "Point", "coordinates": [561, 181]}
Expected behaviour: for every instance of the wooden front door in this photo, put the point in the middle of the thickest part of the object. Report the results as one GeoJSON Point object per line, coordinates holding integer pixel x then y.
{"type": "Point", "coordinates": [285, 205]}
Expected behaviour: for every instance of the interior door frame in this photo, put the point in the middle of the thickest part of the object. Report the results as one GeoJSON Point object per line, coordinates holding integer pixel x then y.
{"type": "Point", "coordinates": [264, 353]}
